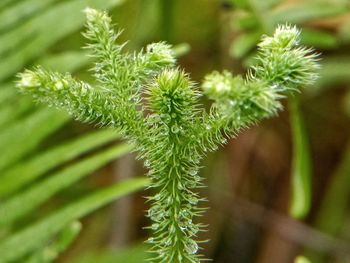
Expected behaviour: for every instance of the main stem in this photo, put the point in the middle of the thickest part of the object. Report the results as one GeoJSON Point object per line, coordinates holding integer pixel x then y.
{"type": "Point", "coordinates": [174, 206]}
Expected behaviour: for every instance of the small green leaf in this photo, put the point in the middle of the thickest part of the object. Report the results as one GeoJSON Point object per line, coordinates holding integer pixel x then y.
{"type": "Point", "coordinates": [301, 166]}
{"type": "Point", "coordinates": [41, 232]}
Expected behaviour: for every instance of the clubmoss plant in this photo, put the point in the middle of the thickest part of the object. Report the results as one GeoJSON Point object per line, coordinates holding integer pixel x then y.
{"type": "Point", "coordinates": [156, 106]}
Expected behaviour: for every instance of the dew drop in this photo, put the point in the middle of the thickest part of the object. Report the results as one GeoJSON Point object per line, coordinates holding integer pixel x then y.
{"type": "Point", "coordinates": [155, 226]}
{"type": "Point", "coordinates": [168, 242]}
{"type": "Point", "coordinates": [59, 85]}
{"type": "Point", "coordinates": [232, 103]}
{"type": "Point", "coordinates": [157, 197]}
{"type": "Point", "coordinates": [150, 240]}
{"type": "Point", "coordinates": [191, 247]}
{"type": "Point", "coordinates": [193, 172]}
{"type": "Point", "coordinates": [175, 128]}
{"type": "Point", "coordinates": [147, 163]}
{"type": "Point", "coordinates": [193, 200]}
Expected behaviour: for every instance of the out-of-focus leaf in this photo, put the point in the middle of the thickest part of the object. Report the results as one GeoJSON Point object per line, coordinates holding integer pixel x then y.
{"type": "Point", "coordinates": [67, 236]}
{"type": "Point", "coordinates": [13, 110]}
{"type": "Point", "coordinates": [20, 11]}
{"type": "Point", "coordinates": [238, 3]}
{"type": "Point", "coordinates": [66, 61]}
{"type": "Point", "coordinates": [301, 259]}
{"type": "Point", "coordinates": [301, 166]}
{"type": "Point", "coordinates": [7, 91]}
{"type": "Point", "coordinates": [333, 210]}
{"type": "Point", "coordinates": [347, 103]}
{"type": "Point", "coordinates": [34, 236]}
{"type": "Point", "coordinates": [136, 254]}
{"type": "Point", "coordinates": [305, 12]}
{"type": "Point", "coordinates": [244, 43]}
{"type": "Point", "coordinates": [244, 21]}
{"type": "Point", "coordinates": [6, 3]}
{"type": "Point", "coordinates": [26, 201]}
{"type": "Point", "coordinates": [22, 137]}
{"type": "Point", "coordinates": [21, 44]}
{"type": "Point", "coordinates": [49, 253]}
{"type": "Point", "coordinates": [319, 39]}
{"type": "Point", "coordinates": [334, 70]}
{"type": "Point", "coordinates": [26, 171]}
{"type": "Point", "coordinates": [181, 49]}
{"type": "Point", "coordinates": [263, 5]}
{"type": "Point", "coordinates": [344, 32]}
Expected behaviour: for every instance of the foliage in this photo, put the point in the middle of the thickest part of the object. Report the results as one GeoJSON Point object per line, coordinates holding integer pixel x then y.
{"type": "Point", "coordinates": [171, 132]}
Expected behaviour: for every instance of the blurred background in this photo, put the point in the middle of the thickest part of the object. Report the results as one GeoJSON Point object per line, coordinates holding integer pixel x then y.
{"type": "Point", "coordinates": [278, 191]}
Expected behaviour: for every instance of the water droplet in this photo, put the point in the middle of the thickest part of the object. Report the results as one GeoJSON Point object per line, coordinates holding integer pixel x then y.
{"type": "Point", "coordinates": [208, 127]}
{"type": "Point", "coordinates": [193, 172]}
{"type": "Point", "coordinates": [157, 197]}
{"type": "Point", "coordinates": [232, 103]}
{"type": "Point", "coordinates": [193, 200]}
{"type": "Point", "coordinates": [172, 229]}
{"type": "Point", "coordinates": [155, 226]}
{"type": "Point", "coordinates": [165, 118]}
{"type": "Point", "coordinates": [150, 240]}
{"type": "Point", "coordinates": [194, 230]}
{"type": "Point", "coordinates": [191, 247]}
{"type": "Point", "coordinates": [175, 128]}
{"type": "Point", "coordinates": [147, 163]}
{"type": "Point", "coordinates": [59, 85]}
{"type": "Point", "coordinates": [168, 242]}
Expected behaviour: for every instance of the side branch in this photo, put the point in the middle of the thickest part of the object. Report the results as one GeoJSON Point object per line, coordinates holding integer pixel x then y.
{"type": "Point", "coordinates": [78, 98]}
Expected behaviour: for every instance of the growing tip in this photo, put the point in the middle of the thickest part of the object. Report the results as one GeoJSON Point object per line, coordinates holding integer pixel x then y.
{"type": "Point", "coordinates": [27, 79]}
{"type": "Point", "coordinates": [93, 15]}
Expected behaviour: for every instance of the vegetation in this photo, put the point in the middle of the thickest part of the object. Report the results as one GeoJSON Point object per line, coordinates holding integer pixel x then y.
{"type": "Point", "coordinates": [276, 193]}
{"type": "Point", "coordinates": [175, 134]}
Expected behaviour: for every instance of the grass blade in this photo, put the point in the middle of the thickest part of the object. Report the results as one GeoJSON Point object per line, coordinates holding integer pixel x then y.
{"type": "Point", "coordinates": [41, 232]}
{"type": "Point", "coordinates": [33, 33]}
{"type": "Point", "coordinates": [17, 141]}
{"type": "Point", "coordinates": [27, 171]}
{"type": "Point", "coordinates": [13, 208]}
